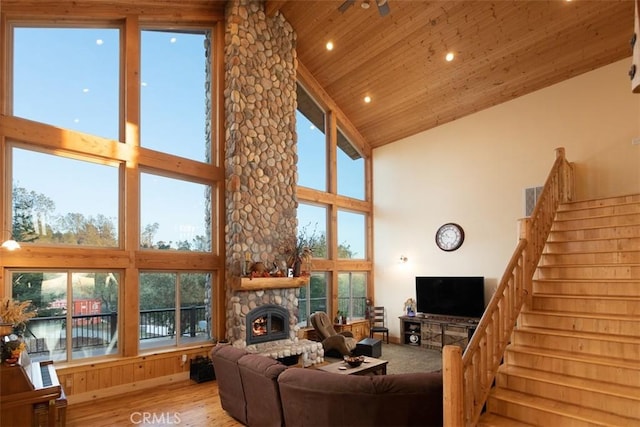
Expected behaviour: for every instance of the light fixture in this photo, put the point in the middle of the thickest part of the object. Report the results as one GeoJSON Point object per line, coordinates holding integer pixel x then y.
{"type": "Point", "coordinates": [367, 99]}
{"type": "Point", "coordinates": [403, 259]}
{"type": "Point", "coordinates": [329, 45]}
{"type": "Point", "coordinates": [449, 56]}
{"type": "Point", "coordinates": [10, 244]}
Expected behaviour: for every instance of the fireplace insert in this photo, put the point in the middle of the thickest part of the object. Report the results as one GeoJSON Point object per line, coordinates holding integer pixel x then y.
{"type": "Point", "coordinates": [267, 322]}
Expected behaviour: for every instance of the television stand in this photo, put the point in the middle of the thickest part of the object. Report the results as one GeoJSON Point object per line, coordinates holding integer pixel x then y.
{"type": "Point", "coordinates": [436, 331]}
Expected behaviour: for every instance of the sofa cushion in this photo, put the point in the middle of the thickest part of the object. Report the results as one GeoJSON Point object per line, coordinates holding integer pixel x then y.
{"type": "Point", "coordinates": [225, 363]}
{"type": "Point", "coordinates": [315, 398]}
{"type": "Point", "coordinates": [260, 382]}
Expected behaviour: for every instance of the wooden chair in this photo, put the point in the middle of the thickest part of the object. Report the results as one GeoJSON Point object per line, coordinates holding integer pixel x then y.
{"type": "Point", "coordinates": [379, 324]}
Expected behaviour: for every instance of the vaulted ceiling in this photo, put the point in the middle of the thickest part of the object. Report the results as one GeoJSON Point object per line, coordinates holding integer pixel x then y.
{"type": "Point", "coordinates": [503, 50]}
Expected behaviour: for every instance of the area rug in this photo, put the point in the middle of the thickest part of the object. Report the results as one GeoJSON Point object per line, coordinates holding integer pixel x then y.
{"type": "Point", "coordinates": [408, 359]}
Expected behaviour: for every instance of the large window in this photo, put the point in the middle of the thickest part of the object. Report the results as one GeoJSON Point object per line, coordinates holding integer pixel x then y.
{"type": "Point", "coordinates": [63, 201]}
{"type": "Point", "coordinates": [333, 204]}
{"type": "Point", "coordinates": [174, 214]}
{"type": "Point", "coordinates": [68, 77]}
{"type": "Point", "coordinates": [77, 313]}
{"type": "Point", "coordinates": [350, 169]}
{"type": "Point", "coordinates": [312, 144]}
{"type": "Point", "coordinates": [119, 153]}
{"type": "Point", "coordinates": [173, 309]}
{"type": "Point", "coordinates": [351, 235]}
{"type": "Point", "coordinates": [312, 228]}
{"type": "Point", "coordinates": [173, 104]}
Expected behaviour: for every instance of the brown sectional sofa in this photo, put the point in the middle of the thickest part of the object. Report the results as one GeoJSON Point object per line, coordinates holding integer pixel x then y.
{"type": "Point", "coordinates": [260, 391]}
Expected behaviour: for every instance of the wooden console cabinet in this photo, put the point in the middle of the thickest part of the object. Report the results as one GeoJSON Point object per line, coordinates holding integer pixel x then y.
{"type": "Point", "coordinates": [431, 331]}
{"type": "Point", "coordinates": [359, 328]}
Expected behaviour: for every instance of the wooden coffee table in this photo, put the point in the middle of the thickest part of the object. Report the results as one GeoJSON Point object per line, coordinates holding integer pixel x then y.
{"type": "Point", "coordinates": [371, 365]}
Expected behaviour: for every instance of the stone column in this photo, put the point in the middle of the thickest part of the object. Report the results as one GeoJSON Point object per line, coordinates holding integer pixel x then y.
{"type": "Point", "coordinates": [261, 158]}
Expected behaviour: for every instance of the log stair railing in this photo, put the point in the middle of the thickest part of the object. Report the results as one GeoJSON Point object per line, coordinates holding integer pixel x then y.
{"type": "Point", "coordinates": [468, 378]}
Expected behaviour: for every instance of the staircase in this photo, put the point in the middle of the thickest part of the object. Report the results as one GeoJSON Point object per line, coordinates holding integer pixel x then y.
{"type": "Point", "coordinates": [574, 357]}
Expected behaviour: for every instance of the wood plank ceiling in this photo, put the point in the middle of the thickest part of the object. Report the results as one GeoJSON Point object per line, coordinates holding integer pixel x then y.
{"type": "Point", "coordinates": [504, 49]}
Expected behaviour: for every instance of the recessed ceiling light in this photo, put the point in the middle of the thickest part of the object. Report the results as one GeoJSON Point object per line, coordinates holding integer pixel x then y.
{"type": "Point", "coordinates": [367, 99]}
{"type": "Point", "coordinates": [449, 56]}
{"type": "Point", "coordinates": [329, 45]}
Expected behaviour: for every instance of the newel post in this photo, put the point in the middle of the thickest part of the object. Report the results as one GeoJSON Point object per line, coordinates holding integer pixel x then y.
{"type": "Point", "coordinates": [452, 386]}
{"type": "Point", "coordinates": [566, 176]}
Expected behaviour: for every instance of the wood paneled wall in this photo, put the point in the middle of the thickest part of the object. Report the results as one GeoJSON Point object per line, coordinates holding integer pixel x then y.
{"type": "Point", "coordinates": [103, 378]}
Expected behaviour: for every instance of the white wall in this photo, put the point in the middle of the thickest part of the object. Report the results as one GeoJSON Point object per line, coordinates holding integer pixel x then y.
{"type": "Point", "coordinates": [473, 171]}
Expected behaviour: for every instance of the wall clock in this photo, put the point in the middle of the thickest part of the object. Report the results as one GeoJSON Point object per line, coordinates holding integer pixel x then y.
{"type": "Point", "coordinates": [449, 237]}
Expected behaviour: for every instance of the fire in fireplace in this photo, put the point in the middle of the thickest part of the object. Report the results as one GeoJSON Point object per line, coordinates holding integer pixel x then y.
{"type": "Point", "coordinates": [267, 322]}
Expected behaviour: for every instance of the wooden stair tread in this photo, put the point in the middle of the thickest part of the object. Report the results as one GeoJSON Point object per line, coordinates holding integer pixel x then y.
{"type": "Point", "coordinates": [589, 239]}
{"type": "Point", "coordinates": [578, 334]}
{"type": "Point", "coordinates": [591, 252]}
{"type": "Point", "coordinates": [581, 357]}
{"type": "Point", "coordinates": [568, 298]}
{"type": "Point", "coordinates": [613, 389]}
{"type": "Point", "coordinates": [561, 408]}
{"type": "Point", "coordinates": [598, 265]}
{"type": "Point", "coordinates": [600, 215]}
{"type": "Point", "coordinates": [606, 316]}
{"type": "Point", "coordinates": [595, 297]}
{"type": "Point", "coordinates": [626, 199]}
{"type": "Point", "coordinates": [583, 280]}
{"type": "Point", "coordinates": [592, 227]}
{"type": "Point", "coordinates": [494, 420]}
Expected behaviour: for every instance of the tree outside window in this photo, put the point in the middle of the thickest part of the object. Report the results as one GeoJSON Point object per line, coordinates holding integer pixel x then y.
{"type": "Point", "coordinates": [352, 294]}
{"type": "Point", "coordinates": [173, 309]}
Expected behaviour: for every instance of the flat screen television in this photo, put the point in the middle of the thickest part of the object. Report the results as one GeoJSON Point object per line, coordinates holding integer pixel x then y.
{"type": "Point", "coordinates": [450, 296]}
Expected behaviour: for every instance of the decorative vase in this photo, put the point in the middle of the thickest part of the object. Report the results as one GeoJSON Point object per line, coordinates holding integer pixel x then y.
{"type": "Point", "coordinates": [297, 265]}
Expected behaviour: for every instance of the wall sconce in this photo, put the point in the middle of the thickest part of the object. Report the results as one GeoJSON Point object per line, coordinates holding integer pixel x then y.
{"type": "Point", "coordinates": [403, 259]}
{"type": "Point", "coordinates": [10, 244]}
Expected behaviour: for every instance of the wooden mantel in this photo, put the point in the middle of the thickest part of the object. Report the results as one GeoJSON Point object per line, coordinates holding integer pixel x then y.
{"type": "Point", "coordinates": [258, 283]}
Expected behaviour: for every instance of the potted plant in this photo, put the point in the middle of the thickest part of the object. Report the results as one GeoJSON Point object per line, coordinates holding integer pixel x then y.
{"type": "Point", "coordinates": [300, 252]}
{"type": "Point", "coordinates": [16, 314]}
{"type": "Point", "coordinates": [13, 318]}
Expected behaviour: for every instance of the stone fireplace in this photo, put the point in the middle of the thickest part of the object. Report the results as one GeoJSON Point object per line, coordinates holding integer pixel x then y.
{"type": "Point", "coordinates": [260, 176]}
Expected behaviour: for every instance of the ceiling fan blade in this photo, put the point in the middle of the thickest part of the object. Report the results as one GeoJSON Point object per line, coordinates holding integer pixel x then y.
{"type": "Point", "coordinates": [346, 5]}
{"type": "Point", "coordinates": [383, 7]}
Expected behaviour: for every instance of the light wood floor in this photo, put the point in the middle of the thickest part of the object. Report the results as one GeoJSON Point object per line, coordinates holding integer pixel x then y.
{"type": "Point", "coordinates": [183, 403]}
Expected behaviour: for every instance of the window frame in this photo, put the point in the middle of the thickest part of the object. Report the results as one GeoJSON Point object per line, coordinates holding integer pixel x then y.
{"type": "Point", "coordinates": [69, 315]}
{"type": "Point", "coordinates": [83, 157]}
{"type": "Point", "coordinates": [332, 201]}
{"type": "Point", "coordinates": [178, 340]}
{"type": "Point", "coordinates": [126, 151]}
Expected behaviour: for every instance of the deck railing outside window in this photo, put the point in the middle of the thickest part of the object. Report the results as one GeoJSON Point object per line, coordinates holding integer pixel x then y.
{"type": "Point", "coordinates": [91, 331]}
